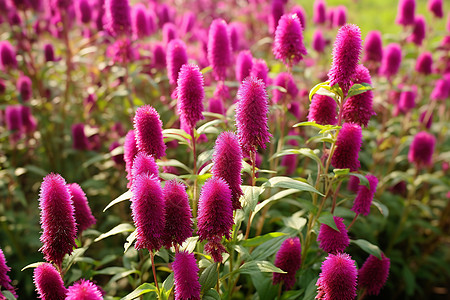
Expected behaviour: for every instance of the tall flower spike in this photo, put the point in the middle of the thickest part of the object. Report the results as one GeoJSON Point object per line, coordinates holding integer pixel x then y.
{"type": "Point", "coordinates": [144, 164]}
{"type": "Point", "coordinates": [424, 63]}
{"type": "Point", "coordinates": [340, 16]}
{"type": "Point", "coordinates": [346, 52]}
{"type": "Point", "coordinates": [169, 31]}
{"type": "Point", "coordinates": [421, 149]}
{"type": "Point", "coordinates": [5, 281]}
{"type": "Point", "coordinates": [320, 14]}
{"type": "Point", "coordinates": [83, 213]}
{"type": "Point", "coordinates": [216, 106]}
{"type": "Point", "coordinates": [373, 47]}
{"type": "Point", "coordinates": [219, 48]}
{"type": "Point", "coordinates": [285, 81]}
{"type": "Point", "coordinates": [260, 70]}
{"type": "Point", "coordinates": [140, 20]}
{"type": "Point", "coordinates": [147, 206]}
{"type": "Point", "coordinates": [84, 11]}
{"type": "Point", "coordinates": [276, 11]}
{"type": "Point", "coordinates": [348, 145]}
{"type": "Point", "coordinates": [57, 219]}
{"type": "Point", "coordinates": [338, 278]}
{"type": "Point", "coordinates": [227, 159]}
{"type": "Point", "coordinates": [322, 110]}
{"type": "Point", "coordinates": [7, 56]}
{"type": "Point", "coordinates": [331, 240]}
{"type": "Point", "coordinates": [176, 57]}
{"type": "Point", "coordinates": [319, 42]}
{"type": "Point", "coordinates": [251, 115]}
{"type": "Point", "coordinates": [441, 90]}
{"type": "Point", "coordinates": [288, 45]}
{"type": "Point", "coordinates": [364, 198]}
{"type": "Point", "coordinates": [24, 87]}
{"type": "Point", "coordinates": [406, 11]}
{"type": "Point", "coordinates": [13, 118]}
{"type": "Point", "coordinates": [178, 215]}
{"type": "Point", "coordinates": [129, 152]}
{"type": "Point", "coordinates": [190, 94]}
{"type": "Point", "coordinates": [392, 58]}
{"type": "Point", "coordinates": [118, 17]}
{"type": "Point", "coordinates": [373, 274]}
{"type": "Point", "coordinates": [49, 52]}
{"type": "Point", "coordinates": [435, 6]}
{"type": "Point", "coordinates": [407, 101]}
{"type": "Point", "coordinates": [301, 14]}
{"type": "Point", "coordinates": [84, 290]}
{"type": "Point", "coordinates": [288, 259]}
{"type": "Point", "coordinates": [353, 184]}
{"type": "Point", "coordinates": [148, 130]}
{"type": "Point", "coordinates": [49, 283]}
{"type": "Point", "coordinates": [79, 139]}
{"type": "Point", "coordinates": [244, 64]}
{"type": "Point", "coordinates": [185, 273]}
{"type": "Point", "coordinates": [419, 31]}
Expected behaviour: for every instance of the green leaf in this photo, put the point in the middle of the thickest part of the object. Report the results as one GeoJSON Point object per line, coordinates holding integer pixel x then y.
{"type": "Point", "coordinates": [33, 265]}
{"type": "Point", "coordinates": [208, 278]}
{"type": "Point", "coordinates": [121, 275]}
{"type": "Point", "coordinates": [295, 222]}
{"type": "Point", "coordinates": [121, 228]}
{"type": "Point", "coordinates": [318, 86]}
{"type": "Point", "coordinates": [205, 126]}
{"type": "Point", "coordinates": [327, 218]}
{"type": "Point", "coordinates": [253, 242]}
{"type": "Point", "coordinates": [174, 163]}
{"type": "Point", "coordinates": [367, 247]}
{"type": "Point", "coordinates": [384, 210]}
{"type": "Point", "coordinates": [256, 266]}
{"type": "Point", "coordinates": [142, 289]}
{"type": "Point", "coordinates": [168, 283]}
{"type": "Point", "coordinates": [69, 260]}
{"type": "Point", "coordinates": [340, 172]}
{"type": "Point", "coordinates": [311, 290]}
{"type": "Point", "coordinates": [357, 89]}
{"type": "Point", "coordinates": [8, 295]}
{"type": "Point", "coordinates": [110, 271]}
{"type": "Point", "coordinates": [250, 197]}
{"type": "Point", "coordinates": [211, 295]}
{"type": "Point", "coordinates": [206, 70]}
{"type": "Point", "coordinates": [277, 196]}
{"type": "Point", "coordinates": [410, 280]}
{"type": "Point", "coordinates": [302, 151]}
{"type": "Point", "coordinates": [130, 239]}
{"type": "Point", "coordinates": [189, 244]}
{"type": "Point", "coordinates": [176, 134]}
{"type": "Point", "coordinates": [204, 157]}
{"type": "Point", "coordinates": [263, 285]}
{"type": "Point", "coordinates": [125, 196]}
{"type": "Point", "coordinates": [362, 179]}
{"type": "Point", "coordinates": [289, 183]}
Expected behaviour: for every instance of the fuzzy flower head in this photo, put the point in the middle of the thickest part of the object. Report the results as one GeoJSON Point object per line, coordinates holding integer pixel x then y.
{"type": "Point", "coordinates": [320, 14]}
{"type": "Point", "coordinates": [169, 32]}
{"type": "Point", "coordinates": [288, 45]}
{"type": "Point", "coordinates": [147, 206]}
{"type": "Point", "coordinates": [301, 14]}
{"type": "Point", "coordinates": [159, 57]}
{"type": "Point", "coordinates": [260, 70]}
{"type": "Point", "coordinates": [407, 100]}
{"type": "Point", "coordinates": [392, 59]}
{"type": "Point", "coordinates": [322, 110]}
{"type": "Point", "coordinates": [144, 164]}
{"type": "Point", "coordinates": [13, 118]}
{"type": "Point", "coordinates": [5, 281]}
{"type": "Point", "coordinates": [338, 278]}
{"type": "Point", "coordinates": [364, 198]}
{"type": "Point", "coordinates": [80, 141]}
{"type": "Point", "coordinates": [373, 47]}
{"type": "Point", "coordinates": [140, 20]}
{"type": "Point", "coordinates": [435, 6]}
{"type": "Point", "coordinates": [331, 240]}
{"type": "Point", "coordinates": [83, 213]}
{"type": "Point", "coordinates": [419, 31]}
{"type": "Point", "coordinates": [340, 16]}
{"type": "Point", "coordinates": [421, 149]}
{"type": "Point", "coordinates": [319, 41]}
{"type": "Point", "coordinates": [7, 56]}
{"type": "Point", "coordinates": [129, 152]}
{"type": "Point", "coordinates": [216, 106]}
{"type": "Point", "coordinates": [346, 52]}
{"type": "Point", "coordinates": [190, 94]}
{"type": "Point", "coordinates": [118, 17]}
{"type": "Point", "coordinates": [57, 219]}
{"type": "Point", "coordinates": [353, 184]}
{"type": "Point", "coordinates": [406, 12]}
{"type": "Point", "coordinates": [176, 57]}
{"type": "Point", "coordinates": [49, 283]}
{"type": "Point", "coordinates": [84, 11]}
{"type": "Point", "coordinates": [24, 88]}
{"type": "Point", "coordinates": [148, 130]}
{"type": "Point", "coordinates": [288, 259]}
{"type": "Point", "coordinates": [219, 48]}
{"type": "Point", "coordinates": [244, 64]}
{"type": "Point", "coordinates": [185, 273]}
{"type": "Point", "coordinates": [373, 274]}
{"type": "Point", "coordinates": [84, 290]}
{"type": "Point", "coordinates": [348, 145]}
{"type": "Point", "coordinates": [178, 225]}
{"type": "Point", "coordinates": [424, 63]}
{"type": "Point", "coordinates": [285, 81]}
{"type": "Point", "coordinates": [441, 90]}
{"type": "Point", "coordinates": [251, 115]}
{"type": "Point", "coordinates": [227, 159]}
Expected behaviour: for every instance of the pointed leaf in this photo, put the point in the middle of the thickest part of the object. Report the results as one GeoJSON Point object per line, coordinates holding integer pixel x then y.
{"type": "Point", "coordinates": [142, 289]}
{"type": "Point", "coordinates": [261, 239]}
{"type": "Point", "coordinates": [121, 228]}
{"type": "Point", "coordinates": [357, 89]}
{"type": "Point", "coordinates": [125, 196]}
{"type": "Point", "coordinates": [289, 183]}
{"type": "Point", "coordinates": [327, 218]}
{"type": "Point", "coordinates": [367, 247]}
{"type": "Point", "coordinates": [208, 278]}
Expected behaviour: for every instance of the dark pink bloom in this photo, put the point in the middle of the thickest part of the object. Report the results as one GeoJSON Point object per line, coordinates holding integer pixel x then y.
{"type": "Point", "coordinates": [320, 14]}
{"type": "Point", "coordinates": [285, 81]}
{"type": "Point", "coordinates": [236, 31]}
{"type": "Point", "coordinates": [219, 48]}
{"type": "Point", "coordinates": [331, 240]}
{"type": "Point", "coordinates": [159, 59]}
{"type": "Point", "coordinates": [83, 213]}
{"type": "Point", "coordinates": [144, 164]}
{"type": "Point", "coordinates": [178, 215]}
{"type": "Point", "coordinates": [216, 106]}
{"type": "Point", "coordinates": [244, 64]}
{"type": "Point", "coordinates": [118, 17]}
{"type": "Point", "coordinates": [407, 100]}
{"type": "Point", "coordinates": [57, 219]}
{"type": "Point", "coordinates": [435, 6]}
{"type": "Point", "coordinates": [276, 11]}
{"type": "Point", "coordinates": [24, 88]}
{"type": "Point", "coordinates": [7, 56]}
{"type": "Point", "coordinates": [288, 259]}
{"type": "Point", "coordinates": [301, 14]}
{"type": "Point", "coordinates": [346, 52]}
{"type": "Point", "coordinates": [49, 52]}
{"type": "Point", "coordinates": [340, 16]}
{"type": "Point", "coordinates": [5, 281]}
{"type": "Point", "coordinates": [222, 91]}
{"type": "Point", "coordinates": [79, 139]}
{"type": "Point", "coordinates": [348, 145]}
{"type": "Point", "coordinates": [251, 115]}
{"type": "Point", "coordinates": [84, 11]}
{"type": "Point", "coordinates": [424, 63]}
{"type": "Point", "coordinates": [373, 47]}
{"type": "Point", "coordinates": [61, 4]}
{"type": "Point", "coordinates": [441, 90]}
{"type": "Point", "coordinates": [406, 12]}
{"type": "Point", "coordinates": [319, 41]}
{"type": "Point", "coordinates": [169, 32]}
{"type": "Point", "coordinates": [190, 94]}
{"type": "Point", "coordinates": [176, 57]}
{"type": "Point", "coordinates": [353, 184]}
{"type": "Point", "coordinates": [147, 206]}
{"type": "Point", "coordinates": [164, 13]}
{"type": "Point", "coordinates": [392, 59]}
{"type": "Point", "coordinates": [84, 290]}
{"type": "Point", "coordinates": [428, 122]}
{"type": "Point", "coordinates": [338, 278]}
{"type": "Point", "coordinates": [129, 152]}
{"type": "Point", "coordinates": [13, 118]}
{"type": "Point", "coordinates": [363, 200]}
{"type": "Point", "coordinates": [373, 274]}
{"type": "Point", "coordinates": [122, 51]}
{"type": "Point", "coordinates": [140, 20]}
{"type": "Point", "coordinates": [28, 121]}
{"type": "Point", "coordinates": [185, 273]}
{"type": "Point", "coordinates": [188, 22]}
{"type": "Point", "coordinates": [260, 70]}
{"type": "Point", "coordinates": [49, 283]}
{"type": "Point", "coordinates": [288, 45]}
{"type": "Point", "coordinates": [322, 110]}
{"type": "Point", "coordinates": [421, 149]}
{"type": "Point", "coordinates": [419, 31]}
{"type": "Point", "coordinates": [148, 130]}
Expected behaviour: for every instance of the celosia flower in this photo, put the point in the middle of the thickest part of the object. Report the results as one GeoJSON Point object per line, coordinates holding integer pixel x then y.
{"type": "Point", "coordinates": [276, 11]}
{"type": "Point", "coordinates": [163, 14]}
{"type": "Point", "coordinates": [348, 145]}
{"type": "Point", "coordinates": [392, 58]}
{"type": "Point", "coordinates": [148, 130]}
{"type": "Point", "coordinates": [235, 30]}
{"type": "Point", "coordinates": [147, 206]}
{"type": "Point", "coordinates": [144, 164]}
{"type": "Point", "coordinates": [260, 70]}
{"type": "Point", "coordinates": [288, 45]}
{"type": "Point", "coordinates": [424, 63]}
{"type": "Point", "coordinates": [7, 55]}
{"type": "Point", "coordinates": [13, 118]}
{"type": "Point", "coordinates": [49, 52]}
{"type": "Point", "coordinates": [190, 94]}
{"type": "Point", "coordinates": [159, 57]}
{"type": "Point", "coordinates": [441, 90]}
{"type": "Point", "coordinates": [251, 115]}
{"type": "Point", "coordinates": [5, 281]}
{"type": "Point", "coordinates": [219, 48]}
{"type": "Point", "coordinates": [373, 274]}
{"type": "Point", "coordinates": [288, 259]}
{"type": "Point", "coordinates": [373, 47]}
{"type": "Point", "coordinates": [176, 57]}
{"type": "Point", "coordinates": [84, 290]}
{"type": "Point", "coordinates": [215, 216]}
{"type": "Point", "coordinates": [122, 51]}
{"type": "Point", "coordinates": [340, 16]}
{"type": "Point", "coordinates": [419, 31]}
{"type": "Point", "coordinates": [49, 283]}
{"type": "Point", "coordinates": [353, 184]}
{"type": "Point", "coordinates": [319, 42]}
{"type": "Point", "coordinates": [188, 22]}
{"type": "Point", "coordinates": [222, 91]}
{"type": "Point", "coordinates": [24, 87]}
{"type": "Point", "coordinates": [117, 158]}
{"type": "Point", "coordinates": [129, 152]}
{"type": "Point", "coordinates": [406, 12]}
{"type": "Point", "coordinates": [84, 11]}
{"type": "Point", "coordinates": [407, 101]}
{"type": "Point", "coordinates": [244, 64]}
{"type": "Point", "coordinates": [319, 15]}
{"type": "Point", "coordinates": [216, 106]}
{"type": "Point", "coordinates": [285, 81]}
{"type": "Point", "coordinates": [185, 273]}
{"type": "Point", "coordinates": [14, 19]}
{"type": "Point", "coordinates": [169, 32]}
{"type": "Point", "coordinates": [301, 14]}
{"type": "Point", "coordinates": [332, 240]}
{"type": "Point", "coordinates": [363, 200]}
{"type": "Point", "coordinates": [338, 278]}
{"type": "Point", "coordinates": [117, 17]}
{"type": "Point", "coordinates": [83, 213]}
{"type": "Point", "coordinates": [330, 17]}
{"type": "Point", "coordinates": [79, 139]}
{"type": "Point", "coordinates": [435, 6]}
{"type": "Point", "coordinates": [346, 51]}
{"type": "Point", "coordinates": [140, 20]}
{"type": "Point", "coordinates": [421, 149]}
{"type": "Point", "coordinates": [178, 215]}
{"type": "Point", "coordinates": [227, 159]}
{"type": "Point", "coordinates": [322, 110]}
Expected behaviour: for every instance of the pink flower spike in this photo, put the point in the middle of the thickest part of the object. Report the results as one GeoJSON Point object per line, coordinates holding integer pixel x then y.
{"type": "Point", "coordinates": [185, 271]}
{"type": "Point", "coordinates": [5, 281]}
{"type": "Point", "coordinates": [363, 200]}
{"type": "Point", "coordinates": [288, 259]}
{"type": "Point", "coordinates": [373, 274]}
{"type": "Point", "coordinates": [323, 110]}
{"type": "Point", "coordinates": [190, 94]}
{"type": "Point", "coordinates": [84, 290]}
{"type": "Point", "coordinates": [348, 145]}
{"type": "Point", "coordinates": [333, 241]}
{"type": "Point", "coordinates": [219, 48]}
{"type": "Point", "coordinates": [83, 213]}
{"type": "Point", "coordinates": [421, 149]}
{"type": "Point", "coordinates": [49, 283]}
{"type": "Point", "coordinates": [148, 130]}
{"type": "Point", "coordinates": [176, 57]}
{"type": "Point", "coordinates": [288, 45]}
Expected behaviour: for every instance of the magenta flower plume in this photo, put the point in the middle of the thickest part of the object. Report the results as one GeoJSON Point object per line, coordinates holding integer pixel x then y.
{"type": "Point", "coordinates": [219, 48]}
{"type": "Point", "coordinates": [363, 200]}
{"type": "Point", "coordinates": [57, 219]}
{"type": "Point", "coordinates": [435, 6]}
{"type": "Point", "coordinates": [322, 110]}
{"type": "Point", "coordinates": [359, 108]}
{"type": "Point", "coordinates": [406, 12]}
{"type": "Point", "coordinates": [216, 106]}
{"type": "Point", "coordinates": [346, 53]}
{"type": "Point", "coordinates": [13, 118]}
{"type": "Point", "coordinates": [244, 64]}
{"type": "Point", "coordinates": [5, 281]}
{"type": "Point", "coordinates": [441, 90]}
{"type": "Point", "coordinates": [340, 16]}
{"type": "Point", "coordinates": [83, 213]}
{"type": "Point", "coordinates": [169, 32]}
{"type": "Point", "coordinates": [84, 290]}
{"type": "Point", "coordinates": [215, 215]}
{"type": "Point", "coordinates": [373, 47]}
{"type": "Point", "coordinates": [144, 164]}
{"type": "Point", "coordinates": [178, 215]}
{"type": "Point", "coordinates": [7, 56]}
{"type": "Point", "coordinates": [407, 101]}
{"type": "Point", "coordinates": [236, 31]}
{"type": "Point", "coordinates": [319, 41]}
{"type": "Point", "coordinates": [373, 274]}
{"type": "Point", "coordinates": [159, 57]}
{"type": "Point", "coordinates": [185, 273]}
{"type": "Point", "coordinates": [227, 159]}
{"type": "Point", "coordinates": [49, 283]}
{"type": "Point", "coordinates": [392, 58]}
{"type": "Point", "coordinates": [129, 152]}
{"type": "Point", "coordinates": [140, 20]}
{"type": "Point", "coordinates": [288, 45]}
{"type": "Point", "coordinates": [79, 139]}
{"type": "Point", "coordinates": [188, 22]}
{"type": "Point", "coordinates": [176, 57]}
{"type": "Point", "coordinates": [348, 145]}
{"type": "Point", "coordinates": [419, 31]}
{"type": "Point", "coordinates": [118, 17]}
{"type": "Point", "coordinates": [353, 184]}
{"type": "Point", "coordinates": [288, 259]}
{"type": "Point", "coordinates": [424, 63]}
{"type": "Point", "coordinates": [320, 14]}
{"type": "Point", "coordinates": [251, 115]}
{"type": "Point", "coordinates": [84, 11]}
{"type": "Point", "coordinates": [148, 130]}
{"type": "Point", "coordinates": [285, 81]}
{"type": "Point", "coordinates": [260, 70]}
{"type": "Point", "coordinates": [301, 14]}
{"type": "Point", "coordinates": [276, 11]}
{"type": "Point", "coordinates": [331, 240]}
{"type": "Point", "coordinates": [421, 149]}
{"type": "Point", "coordinates": [422, 120]}
{"type": "Point", "coordinates": [147, 206]}
{"type": "Point", "coordinates": [24, 88]}
{"type": "Point", "coordinates": [338, 278]}
{"type": "Point", "coordinates": [190, 94]}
